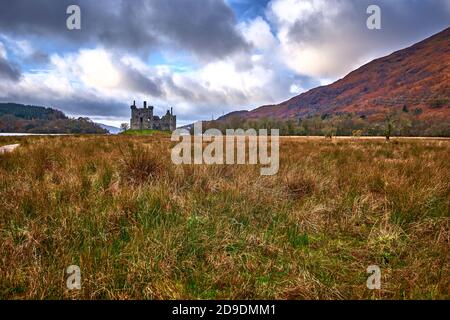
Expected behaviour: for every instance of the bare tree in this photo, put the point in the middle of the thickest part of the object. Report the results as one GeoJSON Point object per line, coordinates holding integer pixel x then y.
{"type": "Point", "coordinates": [124, 126]}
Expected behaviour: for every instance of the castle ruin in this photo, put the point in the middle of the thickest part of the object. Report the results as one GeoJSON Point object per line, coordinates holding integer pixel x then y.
{"type": "Point", "coordinates": [143, 118]}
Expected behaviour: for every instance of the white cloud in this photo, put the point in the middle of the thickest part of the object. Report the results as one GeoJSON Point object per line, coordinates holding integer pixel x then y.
{"type": "Point", "coordinates": [97, 69]}
{"type": "Point", "coordinates": [288, 12]}
{"type": "Point", "coordinates": [306, 55]}
{"type": "Point", "coordinates": [327, 60]}
{"type": "Point", "coordinates": [102, 76]}
{"type": "Point", "coordinates": [3, 53]}
{"type": "Point", "coordinates": [296, 89]}
{"type": "Point", "coordinates": [258, 33]}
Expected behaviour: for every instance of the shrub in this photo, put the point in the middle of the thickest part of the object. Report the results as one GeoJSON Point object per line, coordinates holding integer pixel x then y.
{"type": "Point", "coordinates": [141, 165]}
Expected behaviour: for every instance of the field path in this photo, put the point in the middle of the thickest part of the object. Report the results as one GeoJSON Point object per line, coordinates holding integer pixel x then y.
{"type": "Point", "coordinates": [8, 148]}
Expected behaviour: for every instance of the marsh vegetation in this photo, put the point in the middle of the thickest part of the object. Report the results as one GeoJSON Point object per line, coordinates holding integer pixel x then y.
{"type": "Point", "coordinates": [140, 227]}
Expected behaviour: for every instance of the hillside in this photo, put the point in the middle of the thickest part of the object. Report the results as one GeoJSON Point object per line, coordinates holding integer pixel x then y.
{"type": "Point", "coordinates": [30, 112]}
{"type": "Point", "coordinates": [416, 79]}
{"type": "Point", "coordinates": [18, 118]}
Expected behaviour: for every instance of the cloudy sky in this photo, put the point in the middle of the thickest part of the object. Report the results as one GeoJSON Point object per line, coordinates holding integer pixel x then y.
{"type": "Point", "coordinates": [203, 57]}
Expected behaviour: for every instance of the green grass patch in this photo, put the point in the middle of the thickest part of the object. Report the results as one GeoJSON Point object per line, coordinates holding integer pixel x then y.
{"type": "Point", "coordinates": [145, 132]}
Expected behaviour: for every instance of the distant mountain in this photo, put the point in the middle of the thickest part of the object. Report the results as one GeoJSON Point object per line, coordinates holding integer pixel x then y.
{"type": "Point", "coordinates": [19, 118]}
{"type": "Point", "coordinates": [416, 78]}
{"type": "Point", "coordinates": [110, 129]}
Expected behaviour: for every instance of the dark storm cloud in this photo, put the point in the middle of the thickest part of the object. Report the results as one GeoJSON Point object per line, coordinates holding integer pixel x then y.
{"type": "Point", "coordinates": [135, 81]}
{"type": "Point", "coordinates": [92, 106]}
{"type": "Point", "coordinates": [9, 71]}
{"type": "Point", "coordinates": [205, 28]}
{"type": "Point", "coordinates": [207, 25]}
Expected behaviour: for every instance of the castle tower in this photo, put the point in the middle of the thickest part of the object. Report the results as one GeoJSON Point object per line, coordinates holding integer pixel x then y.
{"type": "Point", "coordinates": [173, 121]}
{"type": "Point", "coordinates": [141, 118]}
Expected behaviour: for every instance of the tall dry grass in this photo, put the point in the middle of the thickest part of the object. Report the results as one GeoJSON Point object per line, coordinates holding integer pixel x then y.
{"type": "Point", "coordinates": [140, 227]}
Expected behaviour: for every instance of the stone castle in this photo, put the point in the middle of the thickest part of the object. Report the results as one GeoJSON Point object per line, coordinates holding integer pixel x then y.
{"type": "Point", "coordinates": [143, 118]}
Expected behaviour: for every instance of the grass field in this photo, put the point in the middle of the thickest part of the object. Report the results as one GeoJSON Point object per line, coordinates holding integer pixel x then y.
{"type": "Point", "coordinates": [140, 227]}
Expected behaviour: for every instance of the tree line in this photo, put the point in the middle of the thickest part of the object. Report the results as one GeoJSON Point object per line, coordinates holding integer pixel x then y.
{"type": "Point", "coordinates": [399, 123]}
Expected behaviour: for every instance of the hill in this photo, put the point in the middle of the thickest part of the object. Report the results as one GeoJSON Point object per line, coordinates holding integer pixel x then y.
{"type": "Point", "coordinates": [18, 118]}
{"type": "Point", "coordinates": [414, 80]}
{"type": "Point", "coordinates": [30, 112]}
